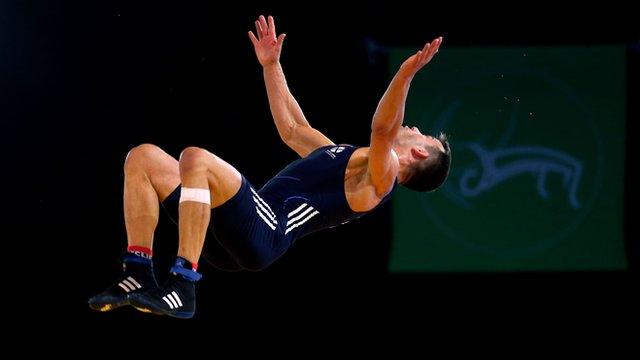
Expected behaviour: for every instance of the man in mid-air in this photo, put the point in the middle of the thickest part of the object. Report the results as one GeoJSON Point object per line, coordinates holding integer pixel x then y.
{"type": "Point", "coordinates": [249, 229]}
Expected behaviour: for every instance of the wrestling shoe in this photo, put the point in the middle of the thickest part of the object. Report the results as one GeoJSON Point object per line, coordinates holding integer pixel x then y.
{"type": "Point", "coordinates": [137, 275]}
{"type": "Point", "coordinates": [176, 297]}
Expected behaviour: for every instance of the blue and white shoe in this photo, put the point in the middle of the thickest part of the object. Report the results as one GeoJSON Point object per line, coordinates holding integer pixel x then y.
{"type": "Point", "coordinates": [176, 297]}
{"type": "Point", "coordinates": [137, 276]}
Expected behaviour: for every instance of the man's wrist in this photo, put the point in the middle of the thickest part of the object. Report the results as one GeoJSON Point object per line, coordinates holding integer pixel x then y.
{"type": "Point", "coordinates": [405, 76]}
{"type": "Point", "coordinates": [273, 65]}
{"type": "Point", "coordinates": [402, 80]}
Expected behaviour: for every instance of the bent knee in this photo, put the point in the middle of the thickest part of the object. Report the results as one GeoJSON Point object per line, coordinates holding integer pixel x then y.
{"type": "Point", "coordinates": [193, 152]}
{"type": "Point", "coordinates": [194, 158]}
{"type": "Point", "coordinates": [139, 155]}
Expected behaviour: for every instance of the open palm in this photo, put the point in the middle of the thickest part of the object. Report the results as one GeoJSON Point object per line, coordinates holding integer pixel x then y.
{"type": "Point", "coordinates": [418, 60]}
{"type": "Point", "coordinates": [266, 45]}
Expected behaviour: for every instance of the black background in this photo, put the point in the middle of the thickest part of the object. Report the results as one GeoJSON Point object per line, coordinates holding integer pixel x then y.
{"type": "Point", "coordinates": [83, 82]}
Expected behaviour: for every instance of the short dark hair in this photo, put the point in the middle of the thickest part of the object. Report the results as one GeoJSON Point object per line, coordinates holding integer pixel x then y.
{"type": "Point", "coordinates": [430, 173]}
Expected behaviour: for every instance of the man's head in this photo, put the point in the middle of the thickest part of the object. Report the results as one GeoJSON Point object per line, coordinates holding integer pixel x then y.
{"type": "Point", "coordinates": [424, 160]}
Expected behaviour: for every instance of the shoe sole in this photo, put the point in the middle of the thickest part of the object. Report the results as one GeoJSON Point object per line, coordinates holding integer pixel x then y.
{"type": "Point", "coordinates": [148, 308]}
{"type": "Point", "coordinates": [104, 307]}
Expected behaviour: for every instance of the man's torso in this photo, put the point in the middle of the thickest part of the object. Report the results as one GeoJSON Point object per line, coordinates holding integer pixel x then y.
{"type": "Point", "coordinates": [332, 180]}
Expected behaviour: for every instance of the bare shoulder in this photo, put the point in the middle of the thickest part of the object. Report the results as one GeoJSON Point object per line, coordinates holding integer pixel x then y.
{"type": "Point", "coordinates": [385, 177]}
{"type": "Point", "coordinates": [359, 188]}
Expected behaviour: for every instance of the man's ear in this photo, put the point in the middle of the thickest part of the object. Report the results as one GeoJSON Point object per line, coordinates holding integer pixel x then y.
{"type": "Point", "coordinates": [420, 153]}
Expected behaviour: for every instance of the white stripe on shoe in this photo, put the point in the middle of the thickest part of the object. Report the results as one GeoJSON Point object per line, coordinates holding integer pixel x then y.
{"type": "Point", "coordinates": [168, 302]}
{"type": "Point", "coordinates": [173, 301]}
{"type": "Point", "coordinates": [124, 287]}
{"type": "Point", "coordinates": [177, 298]}
{"type": "Point", "coordinates": [128, 284]}
{"type": "Point", "coordinates": [134, 282]}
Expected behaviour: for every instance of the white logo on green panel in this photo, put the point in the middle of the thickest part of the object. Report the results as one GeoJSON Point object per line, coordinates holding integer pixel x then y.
{"type": "Point", "coordinates": [527, 161]}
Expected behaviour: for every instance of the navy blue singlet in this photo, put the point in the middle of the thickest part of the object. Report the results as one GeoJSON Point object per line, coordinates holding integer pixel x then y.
{"type": "Point", "coordinates": [255, 227]}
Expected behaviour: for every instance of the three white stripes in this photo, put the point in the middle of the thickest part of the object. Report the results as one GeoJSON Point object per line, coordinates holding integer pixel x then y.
{"type": "Point", "coordinates": [172, 300]}
{"type": "Point", "coordinates": [129, 284]}
{"type": "Point", "coordinates": [266, 214]}
{"type": "Point", "coordinates": [296, 221]}
{"type": "Point", "coordinates": [264, 211]}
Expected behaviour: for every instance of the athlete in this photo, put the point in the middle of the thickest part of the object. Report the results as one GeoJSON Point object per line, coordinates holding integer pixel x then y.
{"type": "Point", "coordinates": [249, 228]}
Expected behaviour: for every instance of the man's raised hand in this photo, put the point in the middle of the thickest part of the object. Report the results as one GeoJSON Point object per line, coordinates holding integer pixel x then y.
{"type": "Point", "coordinates": [418, 60]}
{"type": "Point", "coordinates": [266, 44]}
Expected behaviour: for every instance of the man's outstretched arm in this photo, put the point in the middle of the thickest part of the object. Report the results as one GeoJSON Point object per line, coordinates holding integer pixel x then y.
{"type": "Point", "coordinates": [293, 127]}
{"type": "Point", "coordinates": [387, 120]}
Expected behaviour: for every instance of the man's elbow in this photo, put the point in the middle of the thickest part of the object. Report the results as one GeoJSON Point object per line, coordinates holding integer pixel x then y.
{"type": "Point", "coordinates": [287, 133]}
{"type": "Point", "coordinates": [292, 133]}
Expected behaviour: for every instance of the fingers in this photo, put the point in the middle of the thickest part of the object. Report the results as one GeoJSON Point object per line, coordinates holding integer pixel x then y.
{"type": "Point", "coordinates": [426, 47]}
{"type": "Point", "coordinates": [281, 39]}
{"type": "Point", "coordinates": [253, 39]}
{"type": "Point", "coordinates": [424, 52]}
{"type": "Point", "coordinates": [436, 45]}
{"type": "Point", "coordinates": [263, 26]}
{"type": "Point", "coordinates": [264, 29]}
{"type": "Point", "coordinates": [272, 27]}
{"type": "Point", "coordinates": [259, 30]}
{"type": "Point", "coordinates": [429, 50]}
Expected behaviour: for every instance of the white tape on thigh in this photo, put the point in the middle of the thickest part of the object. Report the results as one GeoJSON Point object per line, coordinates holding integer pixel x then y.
{"type": "Point", "coordinates": [197, 195]}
